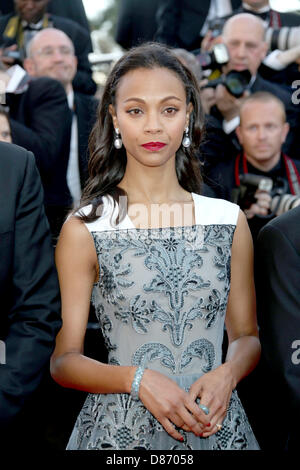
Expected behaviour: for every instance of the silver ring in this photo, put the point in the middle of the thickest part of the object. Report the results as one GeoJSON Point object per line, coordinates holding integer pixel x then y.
{"type": "Point", "coordinates": [204, 408]}
{"type": "Point", "coordinates": [219, 426]}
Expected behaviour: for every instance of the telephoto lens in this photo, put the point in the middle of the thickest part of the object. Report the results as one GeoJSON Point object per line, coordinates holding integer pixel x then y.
{"type": "Point", "coordinates": [283, 38]}
{"type": "Point", "coordinates": [284, 203]}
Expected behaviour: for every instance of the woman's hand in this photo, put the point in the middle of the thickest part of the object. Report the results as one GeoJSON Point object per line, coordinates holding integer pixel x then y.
{"type": "Point", "coordinates": [171, 405]}
{"type": "Point", "coordinates": [214, 390]}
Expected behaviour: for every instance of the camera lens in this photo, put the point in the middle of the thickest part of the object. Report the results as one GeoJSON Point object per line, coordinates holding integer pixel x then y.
{"type": "Point", "coordinates": [235, 86]}
{"type": "Point", "coordinates": [236, 82]}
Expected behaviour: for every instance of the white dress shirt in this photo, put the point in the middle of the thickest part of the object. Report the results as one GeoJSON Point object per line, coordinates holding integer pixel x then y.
{"type": "Point", "coordinates": [73, 173]}
{"type": "Point", "coordinates": [217, 9]}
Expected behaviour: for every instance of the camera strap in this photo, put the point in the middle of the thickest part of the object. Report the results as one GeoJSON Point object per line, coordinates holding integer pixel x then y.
{"type": "Point", "coordinates": [275, 20]}
{"type": "Point", "coordinates": [292, 173]}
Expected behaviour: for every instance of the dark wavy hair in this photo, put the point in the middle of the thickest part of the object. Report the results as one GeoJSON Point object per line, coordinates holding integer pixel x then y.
{"type": "Point", "coordinates": [107, 164]}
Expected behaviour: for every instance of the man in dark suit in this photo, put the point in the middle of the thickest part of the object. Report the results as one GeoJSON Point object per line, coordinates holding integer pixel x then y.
{"type": "Point", "coordinates": [16, 31]}
{"type": "Point", "coordinates": [182, 23]}
{"type": "Point", "coordinates": [29, 292]}
{"type": "Point", "coordinates": [278, 300]}
{"type": "Point", "coordinates": [62, 66]}
{"type": "Point", "coordinates": [40, 121]}
{"type": "Point", "coordinates": [243, 35]}
{"type": "Point", "coordinates": [136, 22]}
{"type": "Point", "coordinates": [74, 10]}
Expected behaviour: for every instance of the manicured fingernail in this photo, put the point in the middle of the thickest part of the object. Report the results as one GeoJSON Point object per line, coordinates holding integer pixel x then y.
{"type": "Point", "coordinates": [208, 425]}
{"type": "Point", "coordinates": [181, 439]}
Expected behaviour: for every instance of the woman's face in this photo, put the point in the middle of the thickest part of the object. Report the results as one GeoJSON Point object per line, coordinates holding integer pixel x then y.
{"type": "Point", "coordinates": [5, 134]}
{"type": "Point", "coordinates": [151, 114]}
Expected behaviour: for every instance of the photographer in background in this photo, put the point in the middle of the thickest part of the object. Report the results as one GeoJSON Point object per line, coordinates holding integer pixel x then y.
{"type": "Point", "coordinates": [243, 35]}
{"type": "Point", "coordinates": [17, 30]}
{"type": "Point", "coordinates": [262, 132]}
{"type": "Point", "coordinates": [273, 21]}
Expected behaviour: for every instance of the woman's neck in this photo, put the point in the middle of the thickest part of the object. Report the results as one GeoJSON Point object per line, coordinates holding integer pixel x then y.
{"type": "Point", "coordinates": [152, 185]}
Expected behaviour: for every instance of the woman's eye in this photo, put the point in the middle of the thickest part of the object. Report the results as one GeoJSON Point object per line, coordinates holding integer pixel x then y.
{"type": "Point", "coordinates": [170, 110]}
{"type": "Point", "coordinates": [134, 111]}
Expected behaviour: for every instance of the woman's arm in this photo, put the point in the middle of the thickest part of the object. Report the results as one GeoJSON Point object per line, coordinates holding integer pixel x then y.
{"type": "Point", "coordinates": [215, 387]}
{"type": "Point", "coordinates": [77, 267]}
{"type": "Point", "coordinates": [244, 346]}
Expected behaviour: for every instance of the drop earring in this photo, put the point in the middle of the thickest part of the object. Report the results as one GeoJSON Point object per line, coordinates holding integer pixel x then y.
{"type": "Point", "coordinates": [186, 142]}
{"type": "Point", "coordinates": [118, 141]}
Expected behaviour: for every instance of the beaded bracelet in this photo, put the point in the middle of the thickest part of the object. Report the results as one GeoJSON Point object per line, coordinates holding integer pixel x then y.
{"type": "Point", "coordinates": [136, 382]}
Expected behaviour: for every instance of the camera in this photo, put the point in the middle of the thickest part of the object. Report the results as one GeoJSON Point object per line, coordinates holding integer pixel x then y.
{"type": "Point", "coordinates": [214, 59]}
{"type": "Point", "coordinates": [15, 55]}
{"type": "Point", "coordinates": [283, 38]}
{"type": "Point", "coordinates": [278, 189]}
{"type": "Point", "coordinates": [283, 203]}
{"type": "Point", "coordinates": [236, 82]}
{"type": "Point", "coordinates": [216, 26]}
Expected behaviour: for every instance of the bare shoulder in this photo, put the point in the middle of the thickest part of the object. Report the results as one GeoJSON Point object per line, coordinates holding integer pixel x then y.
{"type": "Point", "coordinates": [242, 236]}
{"type": "Point", "coordinates": [75, 240]}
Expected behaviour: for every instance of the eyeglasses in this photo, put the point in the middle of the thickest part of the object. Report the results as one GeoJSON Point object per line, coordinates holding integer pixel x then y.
{"type": "Point", "coordinates": [50, 51]}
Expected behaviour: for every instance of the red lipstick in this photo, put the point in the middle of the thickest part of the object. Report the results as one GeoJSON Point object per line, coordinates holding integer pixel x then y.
{"type": "Point", "coordinates": [153, 146]}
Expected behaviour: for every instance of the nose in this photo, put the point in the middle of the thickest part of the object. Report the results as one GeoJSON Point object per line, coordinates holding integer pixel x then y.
{"type": "Point", "coordinates": [153, 123]}
{"type": "Point", "coordinates": [261, 133]}
{"type": "Point", "coordinates": [57, 55]}
{"type": "Point", "coordinates": [241, 50]}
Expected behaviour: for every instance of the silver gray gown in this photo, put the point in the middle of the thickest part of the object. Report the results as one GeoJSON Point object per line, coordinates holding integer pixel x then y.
{"type": "Point", "coordinates": [161, 301]}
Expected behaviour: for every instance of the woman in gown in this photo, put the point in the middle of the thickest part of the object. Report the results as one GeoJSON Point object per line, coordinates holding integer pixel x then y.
{"type": "Point", "coordinates": [166, 269]}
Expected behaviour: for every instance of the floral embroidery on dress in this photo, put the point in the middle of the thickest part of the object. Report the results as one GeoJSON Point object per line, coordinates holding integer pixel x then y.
{"type": "Point", "coordinates": [111, 279]}
{"type": "Point", "coordinates": [151, 352]}
{"type": "Point", "coordinates": [215, 306]}
{"type": "Point", "coordinates": [115, 422]}
{"type": "Point", "coordinates": [201, 348]}
{"type": "Point", "coordinates": [160, 300]}
{"type": "Point", "coordinates": [136, 313]}
{"type": "Point", "coordinates": [235, 427]}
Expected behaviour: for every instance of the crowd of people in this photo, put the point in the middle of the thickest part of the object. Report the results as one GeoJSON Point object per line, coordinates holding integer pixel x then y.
{"type": "Point", "coordinates": [199, 117]}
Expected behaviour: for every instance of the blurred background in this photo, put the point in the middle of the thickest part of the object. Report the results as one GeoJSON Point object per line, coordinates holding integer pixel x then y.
{"type": "Point", "coordinates": [103, 16]}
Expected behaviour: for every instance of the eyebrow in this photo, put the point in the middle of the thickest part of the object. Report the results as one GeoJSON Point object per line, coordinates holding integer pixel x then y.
{"type": "Point", "coordinates": [164, 99]}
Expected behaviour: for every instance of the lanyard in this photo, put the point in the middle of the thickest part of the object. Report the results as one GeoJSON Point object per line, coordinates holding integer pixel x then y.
{"type": "Point", "coordinates": [275, 21]}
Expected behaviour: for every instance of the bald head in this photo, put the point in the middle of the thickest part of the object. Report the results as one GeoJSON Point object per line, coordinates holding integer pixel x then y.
{"type": "Point", "coordinates": [47, 37]}
{"type": "Point", "coordinates": [262, 130]}
{"type": "Point", "coordinates": [244, 21]}
{"type": "Point", "coordinates": [243, 35]}
{"type": "Point", "coordinates": [51, 54]}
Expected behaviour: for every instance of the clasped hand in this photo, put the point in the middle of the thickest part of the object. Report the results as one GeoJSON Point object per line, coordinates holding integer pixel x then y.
{"type": "Point", "coordinates": [172, 406]}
